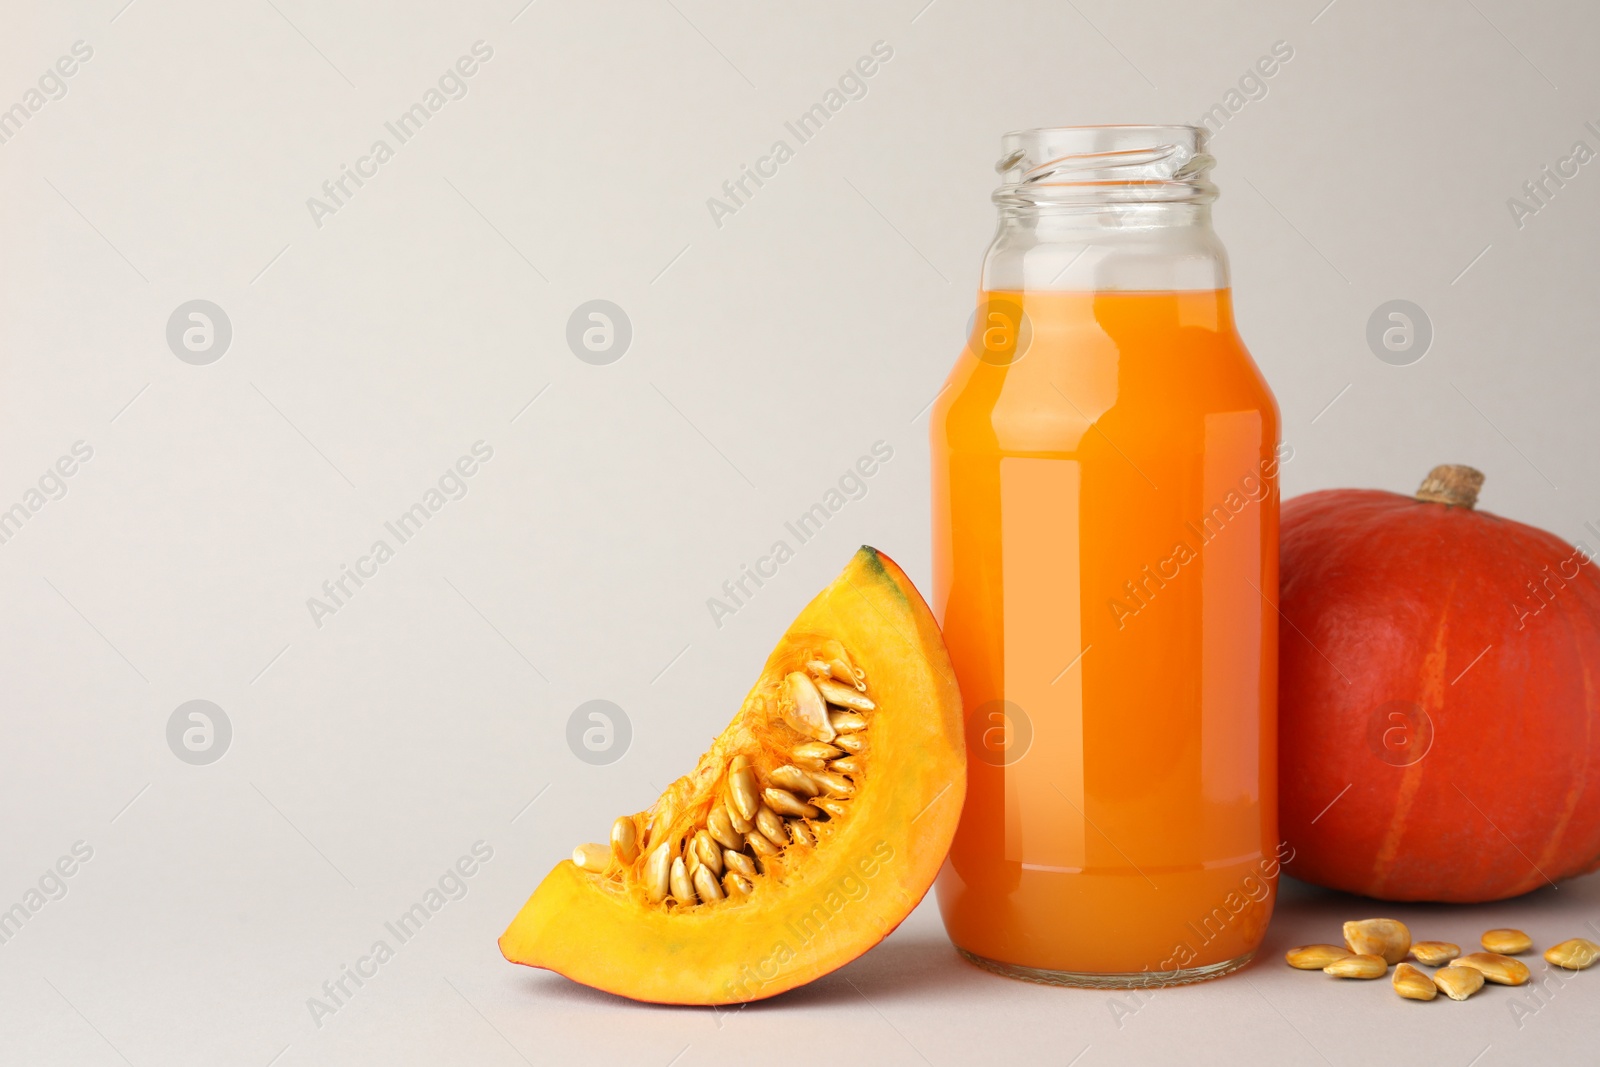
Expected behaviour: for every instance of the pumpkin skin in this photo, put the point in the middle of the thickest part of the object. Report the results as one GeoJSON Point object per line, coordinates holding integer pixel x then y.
{"type": "Point", "coordinates": [824, 907]}
{"type": "Point", "coordinates": [1393, 603]}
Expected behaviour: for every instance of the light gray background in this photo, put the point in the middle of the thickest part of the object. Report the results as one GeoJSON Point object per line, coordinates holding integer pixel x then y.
{"type": "Point", "coordinates": [768, 354]}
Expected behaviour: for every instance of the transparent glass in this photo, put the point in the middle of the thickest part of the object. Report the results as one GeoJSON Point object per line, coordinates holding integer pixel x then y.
{"type": "Point", "coordinates": [1105, 515]}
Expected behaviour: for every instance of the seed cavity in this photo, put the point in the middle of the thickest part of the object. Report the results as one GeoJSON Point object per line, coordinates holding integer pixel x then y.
{"type": "Point", "coordinates": [721, 832]}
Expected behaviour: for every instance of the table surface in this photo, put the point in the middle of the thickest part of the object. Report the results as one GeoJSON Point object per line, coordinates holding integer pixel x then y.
{"type": "Point", "coordinates": [103, 987]}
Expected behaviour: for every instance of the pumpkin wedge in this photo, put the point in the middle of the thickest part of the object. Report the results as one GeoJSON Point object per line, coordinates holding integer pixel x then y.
{"type": "Point", "coordinates": [810, 829]}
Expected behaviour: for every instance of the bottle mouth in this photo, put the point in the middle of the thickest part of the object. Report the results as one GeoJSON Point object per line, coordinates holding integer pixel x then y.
{"type": "Point", "coordinates": [1088, 166]}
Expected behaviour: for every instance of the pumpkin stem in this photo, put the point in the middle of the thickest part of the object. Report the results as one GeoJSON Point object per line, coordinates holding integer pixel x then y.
{"type": "Point", "coordinates": [1452, 483]}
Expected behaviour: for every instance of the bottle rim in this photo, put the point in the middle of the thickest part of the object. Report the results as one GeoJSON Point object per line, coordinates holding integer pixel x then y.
{"type": "Point", "coordinates": [1094, 166]}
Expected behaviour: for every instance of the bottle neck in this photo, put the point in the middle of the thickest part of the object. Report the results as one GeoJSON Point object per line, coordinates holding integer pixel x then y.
{"type": "Point", "coordinates": [1106, 247]}
{"type": "Point", "coordinates": [1105, 208]}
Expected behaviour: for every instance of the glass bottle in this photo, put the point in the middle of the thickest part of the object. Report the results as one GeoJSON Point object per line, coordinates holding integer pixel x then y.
{"type": "Point", "coordinates": [1105, 514]}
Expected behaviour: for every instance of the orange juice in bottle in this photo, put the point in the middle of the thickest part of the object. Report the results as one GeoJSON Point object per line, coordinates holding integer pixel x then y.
{"type": "Point", "coordinates": [1105, 513]}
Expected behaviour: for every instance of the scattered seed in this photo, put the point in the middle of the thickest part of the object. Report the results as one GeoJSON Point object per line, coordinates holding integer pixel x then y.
{"type": "Point", "coordinates": [721, 829]}
{"type": "Point", "coordinates": [1359, 965]}
{"type": "Point", "coordinates": [1499, 969]}
{"type": "Point", "coordinates": [803, 708]}
{"type": "Point", "coordinates": [1574, 954]}
{"type": "Point", "coordinates": [771, 826]}
{"type": "Point", "coordinates": [1458, 983]}
{"type": "Point", "coordinates": [738, 861]}
{"type": "Point", "coordinates": [760, 845]}
{"type": "Point", "coordinates": [852, 743]}
{"type": "Point", "coordinates": [1434, 953]}
{"type": "Point", "coordinates": [1314, 957]}
{"type": "Point", "coordinates": [795, 781]}
{"type": "Point", "coordinates": [1413, 984]}
{"type": "Point", "coordinates": [846, 696]}
{"type": "Point", "coordinates": [788, 804]}
{"type": "Point", "coordinates": [845, 766]}
{"type": "Point", "coordinates": [1506, 941]}
{"type": "Point", "coordinates": [801, 836]}
{"type": "Point", "coordinates": [736, 884]}
{"type": "Point", "coordinates": [846, 722]}
{"type": "Point", "coordinates": [706, 885]}
{"type": "Point", "coordinates": [591, 857]}
{"type": "Point", "coordinates": [658, 873]}
{"type": "Point", "coordinates": [1388, 938]}
{"type": "Point", "coordinates": [682, 887]}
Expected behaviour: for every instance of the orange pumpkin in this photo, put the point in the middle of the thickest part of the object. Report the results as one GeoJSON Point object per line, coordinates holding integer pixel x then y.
{"type": "Point", "coordinates": [1439, 696]}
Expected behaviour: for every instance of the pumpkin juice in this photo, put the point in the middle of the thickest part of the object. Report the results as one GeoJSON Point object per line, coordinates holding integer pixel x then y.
{"type": "Point", "coordinates": [1105, 565]}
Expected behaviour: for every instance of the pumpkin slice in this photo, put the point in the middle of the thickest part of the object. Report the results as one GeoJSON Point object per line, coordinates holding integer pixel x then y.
{"type": "Point", "coordinates": [803, 837]}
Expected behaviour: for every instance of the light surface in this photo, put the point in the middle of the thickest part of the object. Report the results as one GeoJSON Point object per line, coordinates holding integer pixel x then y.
{"type": "Point", "coordinates": [768, 354]}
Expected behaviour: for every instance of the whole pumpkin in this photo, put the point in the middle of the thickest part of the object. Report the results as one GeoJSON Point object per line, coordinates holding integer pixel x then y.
{"type": "Point", "coordinates": [1439, 696]}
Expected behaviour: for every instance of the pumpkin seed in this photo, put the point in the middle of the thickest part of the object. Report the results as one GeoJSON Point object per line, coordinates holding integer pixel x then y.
{"type": "Point", "coordinates": [739, 862]}
{"type": "Point", "coordinates": [625, 840]}
{"type": "Point", "coordinates": [1574, 954]}
{"type": "Point", "coordinates": [737, 884]}
{"type": "Point", "coordinates": [840, 667]}
{"type": "Point", "coordinates": [1501, 970]}
{"type": "Point", "coordinates": [1413, 984]}
{"type": "Point", "coordinates": [591, 857]}
{"type": "Point", "coordinates": [845, 696]}
{"type": "Point", "coordinates": [845, 766]}
{"type": "Point", "coordinates": [658, 873]}
{"type": "Point", "coordinates": [852, 743]}
{"type": "Point", "coordinates": [788, 804]}
{"type": "Point", "coordinates": [803, 709]}
{"type": "Point", "coordinates": [795, 781]}
{"type": "Point", "coordinates": [819, 751]}
{"type": "Point", "coordinates": [1314, 957]}
{"type": "Point", "coordinates": [1388, 938]}
{"type": "Point", "coordinates": [836, 808]}
{"type": "Point", "coordinates": [710, 854]}
{"type": "Point", "coordinates": [837, 784]}
{"type": "Point", "coordinates": [721, 829]}
{"type": "Point", "coordinates": [771, 826]}
{"type": "Point", "coordinates": [760, 845]}
{"type": "Point", "coordinates": [846, 722]}
{"type": "Point", "coordinates": [1505, 941]}
{"type": "Point", "coordinates": [1359, 965]}
{"type": "Point", "coordinates": [682, 888]}
{"type": "Point", "coordinates": [742, 789]}
{"type": "Point", "coordinates": [706, 885]}
{"type": "Point", "coordinates": [691, 860]}
{"type": "Point", "coordinates": [801, 836]}
{"type": "Point", "coordinates": [1458, 983]}
{"type": "Point", "coordinates": [1434, 953]}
